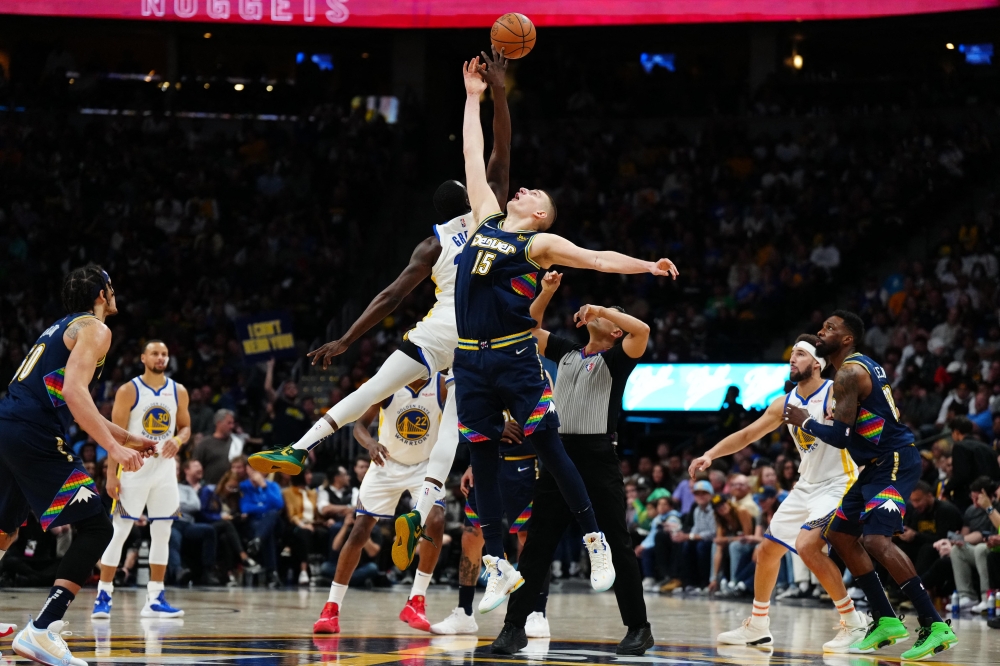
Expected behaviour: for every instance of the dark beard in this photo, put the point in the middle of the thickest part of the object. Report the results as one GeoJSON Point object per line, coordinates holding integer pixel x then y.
{"type": "Point", "coordinates": [822, 350]}
{"type": "Point", "coordinates": [797, 376]}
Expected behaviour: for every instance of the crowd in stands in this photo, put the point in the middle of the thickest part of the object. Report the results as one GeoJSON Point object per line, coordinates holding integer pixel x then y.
{"type": "Point", "coordinates": [201, 223]}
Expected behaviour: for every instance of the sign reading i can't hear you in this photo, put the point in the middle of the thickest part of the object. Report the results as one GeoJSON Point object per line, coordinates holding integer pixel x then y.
{"type": "Point", "coordinates": [266, 335]}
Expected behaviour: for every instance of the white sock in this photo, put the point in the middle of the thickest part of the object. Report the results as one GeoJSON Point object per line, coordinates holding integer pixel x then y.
{"type": "Point", "coordinates": [105, 587]}
{"type": "Point", "coordinates": [848, 613]}
{"type": "Point", "coordinates": [153, 589]}
{"type": "Point", "coordinates": [429, 494]}
{"type": "Point", "coordinates": [760, 611]}
{"type": "Point", "coordinates": [420, 583]}
{"type": "Point", "coordinates": [337, 592]}
{"type": "Point", "coordinates": [320, 431]}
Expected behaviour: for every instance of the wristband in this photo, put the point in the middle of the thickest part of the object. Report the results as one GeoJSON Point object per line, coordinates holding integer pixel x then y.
{"type": "Point", "coordinates": [989, 510]}
{"type": "Point", "coordinates": [803, 426]}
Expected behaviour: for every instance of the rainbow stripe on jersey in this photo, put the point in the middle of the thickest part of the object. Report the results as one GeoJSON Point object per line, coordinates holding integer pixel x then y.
{"type": "Point", "coordinates": [540, 410]}
{"type": "Point", "coordinates": [869, 425]}
{"type": "Point", "coordinates": [525, 284]}
{"type": "Point", "coordinates": [890, 494]}
{"type": "Point", "coordinates": [522, 520]}
{"type": "Point", "coordinates": [65, 495]}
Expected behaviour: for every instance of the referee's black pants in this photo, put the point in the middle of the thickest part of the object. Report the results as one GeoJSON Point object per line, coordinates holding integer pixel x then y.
{"type": "Point", "coordinates": [595, 458]}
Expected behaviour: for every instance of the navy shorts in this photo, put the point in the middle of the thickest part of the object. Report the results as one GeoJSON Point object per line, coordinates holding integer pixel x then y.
{"type": "Point", "coordinates": [488, 381]}
{"type": "Point", "coordinates": [517, 490]}
{"type": "Point", "coordinates": [876, 503]}
{"type": "Point", "coordinates": [40, 473]}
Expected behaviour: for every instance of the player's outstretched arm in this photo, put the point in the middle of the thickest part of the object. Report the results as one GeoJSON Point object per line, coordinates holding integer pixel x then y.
{"type": "Point", "coordinates": [851, 382]}
{"type": "Point", "coordinates": [550, 283]}
{"type": "Point", "coordinates": [550, 250]}
{"type": "Point", "coordinates": [91, 341]}
{"type": "Point", "coordinates": [636, 330]}
{"type": "Point", "coordinates": [498, 168]}
{"type": "Point", "coordinates": [481, 197]}
{"type": "Point", "coordinates": [420, 266]}
{"type": "Point", "coordinates": [768, 422]}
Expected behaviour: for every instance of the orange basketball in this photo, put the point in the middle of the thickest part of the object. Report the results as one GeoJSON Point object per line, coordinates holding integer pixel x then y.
{"type": "Point", "coordinates": [515, 34]}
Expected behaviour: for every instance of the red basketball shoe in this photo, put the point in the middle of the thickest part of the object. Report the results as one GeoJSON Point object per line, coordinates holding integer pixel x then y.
{"type": "Point", "coordinates": [329, 620]}
{"type": "Point", "coordinates": [414, 613]}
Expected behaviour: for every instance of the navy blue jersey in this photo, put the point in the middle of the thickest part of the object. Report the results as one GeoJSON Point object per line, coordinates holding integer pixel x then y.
{"type": "Point", "coordinates": [35, 393]}
{"type": "Point", "coordinates": [877, 430]}
{"type": "Point", "coordinates": [496, 282]}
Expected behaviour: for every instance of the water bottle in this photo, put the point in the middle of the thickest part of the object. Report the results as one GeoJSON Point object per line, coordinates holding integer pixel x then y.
{"type": "Point", "coordinates": [996, 610]}
{"type": "Point", "coordinates": [991, 605]}
{"type": "Point", "coordinates": [954, 605]}
{"type": "Point", "coordinates": [142, 570]}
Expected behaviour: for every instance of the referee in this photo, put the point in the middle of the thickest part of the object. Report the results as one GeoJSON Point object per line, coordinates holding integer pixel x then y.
{"type": "Point", "coordinates": [588, 393]}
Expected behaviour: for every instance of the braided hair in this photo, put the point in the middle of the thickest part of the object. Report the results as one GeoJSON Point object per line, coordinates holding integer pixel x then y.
{"type": "Point", "coordinates": [82, 286]}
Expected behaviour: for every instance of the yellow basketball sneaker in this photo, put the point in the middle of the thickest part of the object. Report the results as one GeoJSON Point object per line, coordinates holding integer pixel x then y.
{"type": "Point", "coordinates": [288, 460]}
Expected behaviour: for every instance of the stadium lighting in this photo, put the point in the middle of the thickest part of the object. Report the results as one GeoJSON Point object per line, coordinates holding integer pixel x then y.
{"type": "Point", "coordinates": [950, 46]}
{"type": "Point", "coordinates": [238, 87]}
{"type": "Point", "coordinates": [797, 61]}
{"type": "Point", "coordinates": [207, 35]}
{"type": "Point", "coordinates": [270, 88]}
{"type": "Point", "coordinates": [207, 86]}
{"type": "Point", "coordinates": [72, 81]}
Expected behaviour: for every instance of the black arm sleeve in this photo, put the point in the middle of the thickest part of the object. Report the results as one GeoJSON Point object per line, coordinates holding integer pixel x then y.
{"type": "Point", "coordinates": [557, 347]}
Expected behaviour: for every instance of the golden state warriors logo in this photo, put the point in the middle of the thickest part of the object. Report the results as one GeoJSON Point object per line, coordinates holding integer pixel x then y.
{"type": "Point", "coordinates": [156, 421]}
{"type": "Point", "coordinates": [805, 441]}
{"type": "Point", "coordinates": [412, 425]}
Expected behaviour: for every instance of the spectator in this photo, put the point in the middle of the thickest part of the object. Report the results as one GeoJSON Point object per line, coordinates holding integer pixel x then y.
{"type": "Point", "coordinates": [202, 416]}
{"type": "Point", "coordinates": [739, 488]}
{"type": "Point", "coordinates": [961, 395]}
{"type": "Point", "coordinates": [261, 503]}
{"type": "Point", "coordinates": [189, 537]}
{"type": "Point", "coordinates": [333, 499]}
{"type": "Point", "coordinates": [928, 520]}
{"type": "Point", "coordinates": [361, 465]}
{"type": "Point", "coordinates": [732, 524]}
{"type": "Point", "coordinates": [695, 539]}
{"type": "Point", "coordinates": [220, 507]}
{"type": "Point", "coordinates": [215, 452]}
{"type": "Point", "coordinates": [789, 475]}
{"type": "Point", "coordinates": [307, 534]}
{"type": "Point", "coordinates": [968, 552]}
{"type": "Point", "coordinates": [970, 458]}
{"type": "Point", "coordinates": [289, 422]}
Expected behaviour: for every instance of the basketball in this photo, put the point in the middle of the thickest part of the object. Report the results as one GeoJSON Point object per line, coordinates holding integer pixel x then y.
{"type": "Point", "coordinates": [515, 34]}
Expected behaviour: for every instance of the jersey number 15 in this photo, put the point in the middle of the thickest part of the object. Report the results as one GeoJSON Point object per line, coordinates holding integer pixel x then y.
{"type": "Point", "coordinates": [484, 262]}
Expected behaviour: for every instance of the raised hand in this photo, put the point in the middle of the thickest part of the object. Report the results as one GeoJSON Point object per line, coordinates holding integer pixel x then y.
{"type": "Point", "coordinates": [587, 314]}
{"type": "Point", "coordinates": [494, 69]}
{"type": "Point", "coordinates": [551, 281]}
{"type": "Point", "coordinates": [475, 84]}
{"type": "Point", "coordinates": [664, 267]}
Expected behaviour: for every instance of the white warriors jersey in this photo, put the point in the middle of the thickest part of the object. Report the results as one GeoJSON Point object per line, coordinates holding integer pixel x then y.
{"type": "Point", "coordinates": [820, 461]}
{"type": "Point", "coordinates": [154, 413]}
{"type": "Point", "coordinates": [408, 424]}
{"type": "Point", "coordinates": [437, 333]}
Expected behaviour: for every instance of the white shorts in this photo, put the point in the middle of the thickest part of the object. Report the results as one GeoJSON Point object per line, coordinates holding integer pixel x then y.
{"type": "Point", "coordinates": [153, 488]}
{"type": "Point", "coordinates": [437, 340]}
{"type": "Point", "coordinates": [384, 485]}
{"type": "Point", "coordinates": [809, 506]}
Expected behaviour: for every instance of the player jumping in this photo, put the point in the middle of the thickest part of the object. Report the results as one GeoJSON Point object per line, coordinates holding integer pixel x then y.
{"type": "Point", "coordinates": [496, 363]}
{"type": "Point", "coordinates": [156, 407]}
{"type": "Point", "coordinates": [428, 348]}
{"type": "Point", "coordinates": [866, 424]}
{"type": "Point", "coordinates": [38, 470]}
{"type": "Point", "coordinates": [825, 474]}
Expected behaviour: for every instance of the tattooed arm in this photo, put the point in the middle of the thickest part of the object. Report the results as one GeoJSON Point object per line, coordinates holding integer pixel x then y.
{"type": "Point", "coordinates": [850, 386]}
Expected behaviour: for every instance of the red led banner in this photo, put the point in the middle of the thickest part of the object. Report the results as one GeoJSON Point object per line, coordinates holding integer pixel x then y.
{"type": "Point", "coordinates": [480, 13]}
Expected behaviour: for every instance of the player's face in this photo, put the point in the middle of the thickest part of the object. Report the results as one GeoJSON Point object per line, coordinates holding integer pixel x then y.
{"type": "Point", "coordinates": [155, 357]}
{"type": "Point", "coordinates": [831, 336]}
{"type": "Point", "coordinates": [109, 294]}
{"type": "Point", "coordinates": [532, 203]}
{"type": "Point", "coordinates": [801, 366]}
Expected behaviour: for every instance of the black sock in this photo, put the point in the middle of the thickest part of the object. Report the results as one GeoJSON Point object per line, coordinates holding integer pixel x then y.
{"type": "Point", "coordinates": [466, 593]}
{"type": "Point", "coordinates": [587, 520]}
{"type": "Point", "coordinates": [55, 607]}
{"type": "Point", "coordinates": [922, 603]}
{"type": "Point", "coordinates": [877, 601]}
{"type": "Point", "coordinates": [541, 601]}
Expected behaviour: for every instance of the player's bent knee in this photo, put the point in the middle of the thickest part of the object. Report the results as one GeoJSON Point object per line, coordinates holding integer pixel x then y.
{"type": "Point", "coordinates": [809, 544]}
{"type": "Point", "coordinates": [92, 537]}
{"type": "Point", "coordinates": [876, 543]}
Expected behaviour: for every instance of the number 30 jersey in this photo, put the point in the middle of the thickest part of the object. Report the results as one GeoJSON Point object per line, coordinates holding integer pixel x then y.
{"type": "Point", "coordinates": [35, 394]}
{"type": "Point", "coordinates": [878, 429]}
{"type": "Point", "coordinates": [496, 283]}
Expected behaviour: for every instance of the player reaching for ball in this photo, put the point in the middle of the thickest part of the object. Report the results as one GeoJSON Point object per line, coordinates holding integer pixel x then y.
{"type": "Point", "coordinates": [428, 348]}
{"type": "Point", "coordinates": [496, 364]}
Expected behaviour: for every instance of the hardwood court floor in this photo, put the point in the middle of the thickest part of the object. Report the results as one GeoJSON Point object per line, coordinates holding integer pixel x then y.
{"type": "Point", "coordinates": [246, 627]}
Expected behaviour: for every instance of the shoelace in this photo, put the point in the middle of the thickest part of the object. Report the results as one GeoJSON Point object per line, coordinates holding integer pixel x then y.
{"type": "Point", "coordinates": [746, 622]}
{"type": "Point", "coordinates": [493, 573]}
{"type": "Point", "coordinates": [598, 556]}
{"type": "Point", "coordinates": [55, 632]}
{"type": "Point", "coordinates": [923, 633]}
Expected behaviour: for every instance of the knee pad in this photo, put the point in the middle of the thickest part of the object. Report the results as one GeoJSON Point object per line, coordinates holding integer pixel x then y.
{"type": "Point", "coordinates": [159, 541]}
{"type": "Point", "coordinates": [92, 537]}
{"type": "Point", "coordinates": [122, 527]}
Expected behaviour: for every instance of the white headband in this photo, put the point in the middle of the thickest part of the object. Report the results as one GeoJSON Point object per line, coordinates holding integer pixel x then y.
{"type": "Point", "coordinates": [809, 349]}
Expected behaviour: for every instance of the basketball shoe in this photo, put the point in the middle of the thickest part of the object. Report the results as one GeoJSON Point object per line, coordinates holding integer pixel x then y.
{"type": "Point", "coordinates": [288, 460]}
{"type": "Point", "coordinates": [45, 646]}
{"type": "Point", "coordinates": [887, 631]}
{"type": "Point", "coordinates": [537, 626]}
{"type": "Point", "coordinates": [329, 620]}
{"type": "Point", "coordinates": [753, 631]}
{"type": "Point", "coordinates": [456, 623]}
{"type": "Point", "coordinates": [501, 580]}
{"type": "Point", "coordinates": [102, 606]}
{"type": "Point", "coordinates": [158, 607]}
{"type": "Point", "coordinates": [602, 571]}
{"type": "Point", "coordinates": [847, 636]}
{"type": "Point", "coordinates": [931, 640]}
{"type": "Point", "coordinates": [414, 613]}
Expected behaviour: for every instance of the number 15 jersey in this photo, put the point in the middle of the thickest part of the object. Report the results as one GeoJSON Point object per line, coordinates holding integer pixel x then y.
{"type": "Point", "coordinates": [496, 282]}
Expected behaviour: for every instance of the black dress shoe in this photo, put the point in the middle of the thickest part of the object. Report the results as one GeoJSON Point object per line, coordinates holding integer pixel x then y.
{"type": "Point", "coordinates": [510, 640]}
{"type": "Point", "coordinates": [636, 641]}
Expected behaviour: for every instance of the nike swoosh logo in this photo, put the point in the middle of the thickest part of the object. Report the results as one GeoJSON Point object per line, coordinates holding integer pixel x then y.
{"type": "Point", "coordinates": [521, 469]}
{"type": "Point", "coordinates": [520, 351]}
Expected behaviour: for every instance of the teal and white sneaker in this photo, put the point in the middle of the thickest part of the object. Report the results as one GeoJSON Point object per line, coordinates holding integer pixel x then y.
{"type": "Point", "coordinates": [46, 646]}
